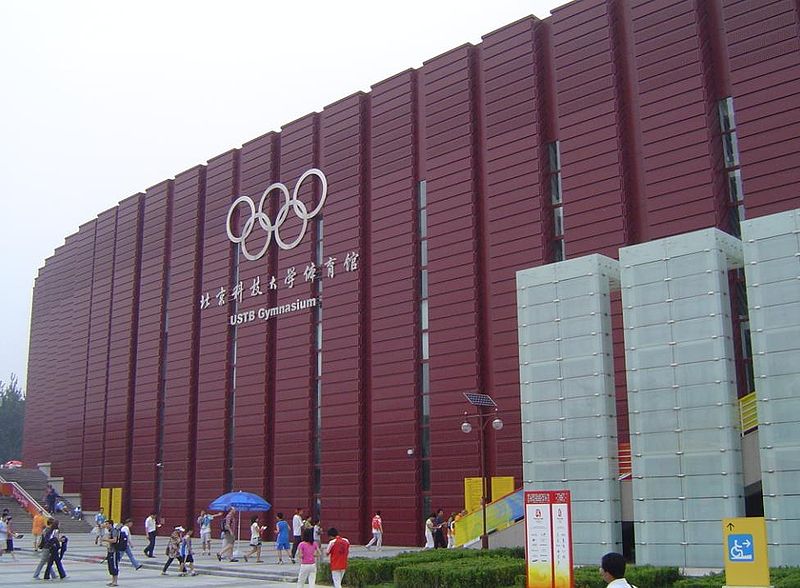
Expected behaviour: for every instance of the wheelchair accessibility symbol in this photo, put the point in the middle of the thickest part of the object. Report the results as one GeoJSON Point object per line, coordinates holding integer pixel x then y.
{"type": "Point", "coordinates": [740, 547]}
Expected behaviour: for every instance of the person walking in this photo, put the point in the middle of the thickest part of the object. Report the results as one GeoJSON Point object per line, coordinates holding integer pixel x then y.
{"type": "Point", "coordinates": [99, 519]}
{"type": "Point", "coordinates": [124, 544]}
{"type": "Point", "coordinates": [429, 528]}
{"type": "Point", "coordinates": [308, 560]}
{"type": "Point", "coordinates": [37, 528]}
{"type": "Point", "coordinates": [173, 549]}
{"type": "Point", "coordinates": [3, 533]}
{"type": "Point", "coordinates": [338, 551]}
{"type": "Point", "coordinates": [53, 546]}
{"type": "Point", "coordinates": [377, 532]}
{"type": "Point", "coordinates": [227, 535]}
{"type": "Point", "coordinates": [612, 570]}
{"type": "Point", "coordinates": [50, 497]}
{"type": "Point", "coordinates": [297, 530]}
{"type": "Point", "coordinates": [109, 537]}
{"type": "Point", "coordinates": [185, 552]}
{"type": "Point", "coordinates": [451, 531]}
{"type": "Point", "coordinates": [63, 548]}
{"type": "Point", "coordinates": [10, 536]}
{"type": "Point", "coordinates": [439, 531]}
{"type": "Point", "coordinates": [45, 553]}
{"type": "Point", "coordinates": [317, 528]}
{"type": "Point", "coordinates": [281, 537]}
{"type": "Point", "coordinates": [255, 540]}
{"type": "Point", "coordinates": [151, 525]}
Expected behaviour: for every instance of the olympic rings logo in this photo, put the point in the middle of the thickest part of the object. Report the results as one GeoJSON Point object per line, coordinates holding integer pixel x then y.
{"type": "Point", "coordinates": [273, 228]}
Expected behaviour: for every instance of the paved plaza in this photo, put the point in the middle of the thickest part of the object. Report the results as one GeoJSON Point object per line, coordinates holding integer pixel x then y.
{"type": "Point", "coordinates": [85, 566]}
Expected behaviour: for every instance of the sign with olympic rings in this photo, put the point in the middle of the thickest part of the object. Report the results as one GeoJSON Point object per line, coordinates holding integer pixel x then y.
{"type": "Point", "coordinates": [272, 228]}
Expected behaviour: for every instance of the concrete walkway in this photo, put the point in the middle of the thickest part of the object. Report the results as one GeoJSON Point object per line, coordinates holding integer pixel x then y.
{"type": "Point", "coordinates": [84, 562]}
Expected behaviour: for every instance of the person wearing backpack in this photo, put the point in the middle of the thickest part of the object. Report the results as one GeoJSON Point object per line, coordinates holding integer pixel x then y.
{"type": "Point", "coordinates": [112, 556]}
{"type": "Point", "coordinates": [52, 544]}
{"type": "Point", "coordinates": [44, 557]}
{"type": "Point", "coordinates": [124, 543]}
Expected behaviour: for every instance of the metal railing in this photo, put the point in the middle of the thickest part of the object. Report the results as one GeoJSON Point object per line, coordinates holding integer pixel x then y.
{"type": "Point", "coordinates": [500, 514]}
{"type": "Point", "coordinates": [21, 495]}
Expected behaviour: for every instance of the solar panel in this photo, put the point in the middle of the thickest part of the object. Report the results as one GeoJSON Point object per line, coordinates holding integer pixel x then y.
{"type": "Point", "coordinates": [478, 399]}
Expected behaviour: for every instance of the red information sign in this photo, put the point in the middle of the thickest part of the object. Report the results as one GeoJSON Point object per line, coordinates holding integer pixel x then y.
{"type": "Point", "coordinates": [548, 539]}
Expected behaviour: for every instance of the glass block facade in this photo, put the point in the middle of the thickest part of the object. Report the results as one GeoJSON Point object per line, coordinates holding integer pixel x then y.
{"type": "Point", "coordinates": [569, 433]}
{"type": "Point", "coordinates": [772, 270]}
{"type": "Point", "coordinates": [679, 355]}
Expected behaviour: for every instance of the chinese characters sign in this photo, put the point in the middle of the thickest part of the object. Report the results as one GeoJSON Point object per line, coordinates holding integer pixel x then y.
{"type": "Point", "coordinates": [258, 287]}
{"type": "Point", "coordinates": [548, 539]}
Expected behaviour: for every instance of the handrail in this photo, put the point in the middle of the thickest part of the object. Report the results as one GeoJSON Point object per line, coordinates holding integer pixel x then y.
{"type": "Point", "coordinates": [500, 514]}
{"type": "Point", "coordinates": [22, 497]}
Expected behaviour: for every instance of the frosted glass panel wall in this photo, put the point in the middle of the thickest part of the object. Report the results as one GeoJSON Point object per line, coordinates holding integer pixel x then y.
{"type": "Point", "coordinates": [569, 434]}
{"type": "Point", "coordinates": [772, 269]}
{"type": "Point", "coordinates": [679, 356]}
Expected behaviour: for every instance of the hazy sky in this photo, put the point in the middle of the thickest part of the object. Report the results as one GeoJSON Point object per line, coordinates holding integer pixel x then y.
{"type": "Point", "coordinates": [100, 100]}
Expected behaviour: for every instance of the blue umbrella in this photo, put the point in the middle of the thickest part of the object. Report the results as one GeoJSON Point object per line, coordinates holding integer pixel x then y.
{"type": "Point", "coordinates": [241, 501]}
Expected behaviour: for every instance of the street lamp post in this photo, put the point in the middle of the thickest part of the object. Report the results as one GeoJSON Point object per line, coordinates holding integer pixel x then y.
{"type": "Point", "coordinates": [483, 418]}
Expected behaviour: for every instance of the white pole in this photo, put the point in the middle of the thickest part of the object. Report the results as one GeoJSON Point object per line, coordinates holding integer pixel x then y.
{"type": "Point", "coordinates": [238, 533]}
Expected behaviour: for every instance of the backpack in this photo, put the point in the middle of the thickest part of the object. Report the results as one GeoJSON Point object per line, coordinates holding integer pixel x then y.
{"type": "Point", "coordinates": [122, 540]}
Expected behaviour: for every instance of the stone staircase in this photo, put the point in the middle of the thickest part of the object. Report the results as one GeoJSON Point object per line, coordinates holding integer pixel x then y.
{"type": "Point", "coordinates": [35, 483]}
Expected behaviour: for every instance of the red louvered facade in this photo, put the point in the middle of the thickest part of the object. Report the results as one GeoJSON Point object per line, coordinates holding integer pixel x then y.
{"type": "Point", "coordinates": [326, 407]}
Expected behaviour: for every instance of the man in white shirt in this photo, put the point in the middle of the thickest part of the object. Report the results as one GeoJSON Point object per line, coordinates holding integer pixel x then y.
{"type": "Point", "coordinates": [297, 530]}
{"type": "Point", "coordinates": [150, 526]}
{"type": "Point", "coordinates": [612, 570]}
{"type": "Point", "coordinates": [125, 529]}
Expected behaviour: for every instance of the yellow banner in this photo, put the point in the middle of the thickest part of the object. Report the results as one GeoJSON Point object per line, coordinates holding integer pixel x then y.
{"type": "Point", "coordinates": [105, 501]}
{"type": "Point", "coordinates": [472, 494]}
{"type": "Point", "coordinates": [116, 504]}
{"type": "Point", "coordinates": [744, 540]}
{"type": "Point", "coordinates": [501, 486]}
{"type": "Point", "coordinates": [499, 515]}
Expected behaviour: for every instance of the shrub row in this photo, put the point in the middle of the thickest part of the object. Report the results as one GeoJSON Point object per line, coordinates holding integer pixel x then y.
{"type": "Point", "coordinates": [362, 572]}
{"type": "Point", "coordinates": [506, 567]}
{"type": "Point", "coordinates": [474, 572]}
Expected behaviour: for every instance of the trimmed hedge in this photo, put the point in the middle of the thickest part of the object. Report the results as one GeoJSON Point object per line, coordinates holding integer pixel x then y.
{"type": "Point", "coordinates": [710, 581]}
{"type": "Point", "coordinates": [785, 577]}
{"type": "Point", "coordinates": [362, 572]}
{"type": "Point", "coordinates": [446, 568]}
{"type": "Point", "coordinates": [651, 576]}
{"type": "Point", "coordinates": [643, 576]}
{"type": "Point", "coordinates": [486, 572]}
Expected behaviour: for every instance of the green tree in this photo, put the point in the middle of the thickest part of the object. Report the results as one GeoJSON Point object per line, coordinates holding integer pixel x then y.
{"type": "Point", "coordinates": [12, 417]}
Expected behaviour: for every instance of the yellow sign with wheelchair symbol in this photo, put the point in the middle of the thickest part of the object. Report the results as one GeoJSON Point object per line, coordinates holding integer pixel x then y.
{"type": "Point", "coordinates": [745, 542]}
